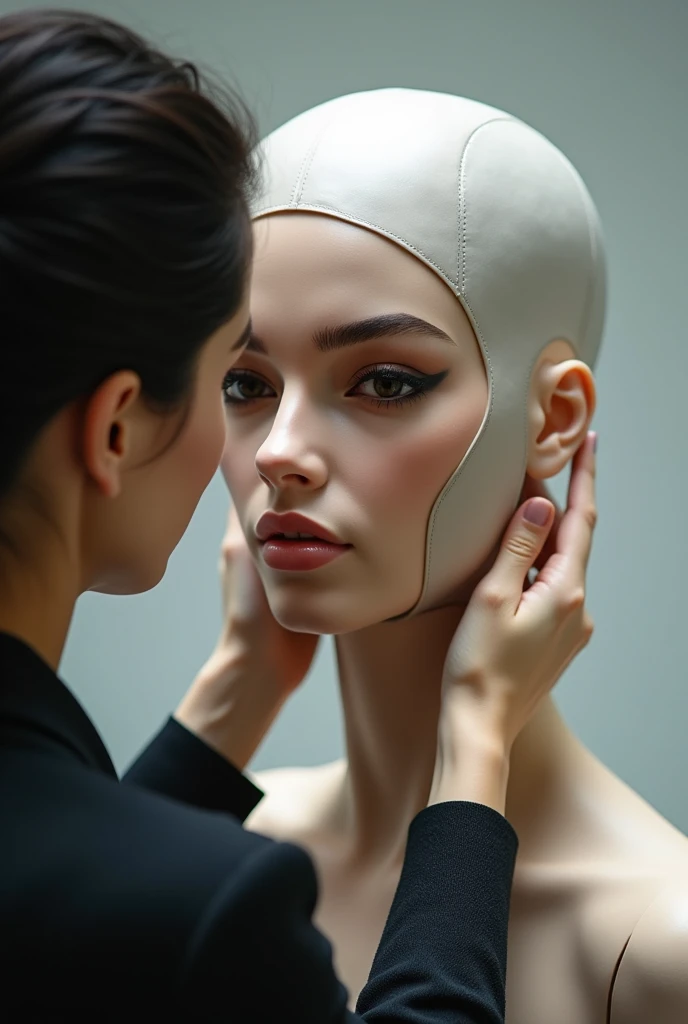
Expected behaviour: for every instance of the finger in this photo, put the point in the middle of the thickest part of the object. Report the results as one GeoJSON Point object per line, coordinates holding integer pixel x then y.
{"type": "Point", "coordinates": [525, 536]}
{"type": "Point", "coordinates": [583, 471]}
{"type": "Point", "coordinates": [578, 524]}
{"type": "Point", "coordinates": [234, 535]}
{"type": "Point", "coordinates": [538, 489]}
{"type": "Point", "coordinates": [233, 523]}
{"type": "Point", "coordinates": [233, 549]}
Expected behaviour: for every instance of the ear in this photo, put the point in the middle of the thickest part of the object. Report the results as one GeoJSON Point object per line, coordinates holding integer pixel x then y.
{"type": "Point", "coordinates": [561, 406]}
{"type": "Point", "coordinates": [107, 439]}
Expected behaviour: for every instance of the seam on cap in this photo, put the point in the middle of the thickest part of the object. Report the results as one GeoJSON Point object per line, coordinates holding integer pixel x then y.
{"type": "Point", "coordinates": [307, 163]}
{"type": "Point", "coordinates": [461, 287]}
{"type": "Point", "coordinates": [378, 228]}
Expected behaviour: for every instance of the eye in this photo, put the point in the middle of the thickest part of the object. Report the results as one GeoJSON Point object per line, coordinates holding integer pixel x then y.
{"type": "Point", "coordinates": [241, 386]}
{"type": "Point", "coordinates": [393, 385]}
{"type": "Point", "coordinates": [385, 387]}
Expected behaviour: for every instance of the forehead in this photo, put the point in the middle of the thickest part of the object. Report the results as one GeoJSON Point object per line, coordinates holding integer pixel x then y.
{"type": "Point", "coordinates": [317, 269]}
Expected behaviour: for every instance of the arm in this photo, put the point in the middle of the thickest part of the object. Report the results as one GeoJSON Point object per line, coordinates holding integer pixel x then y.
{"type": "Point", "coordinates": [199, 755]}
{"type": "Point", "coordinates": [442, 956]}
{"type": "Point", "coordinates": [651, 983]}
{"type": "Point", "coordinates": [178, 764]}
{"type": "Point", "coordinates": [256, 956]}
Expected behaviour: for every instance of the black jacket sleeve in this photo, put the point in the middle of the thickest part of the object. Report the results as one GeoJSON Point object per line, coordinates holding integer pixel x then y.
{"type": "Point", "coordinates": [442, 957]}
{"type": "Point", "coordinates": [177, 764]}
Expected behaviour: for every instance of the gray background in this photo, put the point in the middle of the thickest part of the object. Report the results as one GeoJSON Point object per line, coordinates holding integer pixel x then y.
{"type": "Point", "coordinates": [607, 81]}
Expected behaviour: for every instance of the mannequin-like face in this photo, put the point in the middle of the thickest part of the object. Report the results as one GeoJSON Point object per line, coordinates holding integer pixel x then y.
{"type": "Point", "coordinates": [358, 437]}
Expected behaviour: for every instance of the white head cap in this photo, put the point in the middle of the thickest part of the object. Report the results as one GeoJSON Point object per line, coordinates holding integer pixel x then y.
{"type": "Point", "coordinates": [504, 219]}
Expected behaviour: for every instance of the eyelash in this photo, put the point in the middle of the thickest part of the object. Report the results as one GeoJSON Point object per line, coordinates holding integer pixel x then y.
{"type": "Point", "coordinates": [421, 385]}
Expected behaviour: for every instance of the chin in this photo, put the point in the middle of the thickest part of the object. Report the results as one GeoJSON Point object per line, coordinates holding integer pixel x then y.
{"type": "Point", "coordinates": [129, 582]}
{"type": "Point", "coordinates": [331, 614]}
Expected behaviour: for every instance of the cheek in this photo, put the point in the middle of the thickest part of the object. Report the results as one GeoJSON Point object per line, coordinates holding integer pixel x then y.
{"type": "Point", "coordinates": [204, 444]}
{"type": "Point", "coordinates": [399, 484]}
{"type": "Point", "coordinates": [238, 466]}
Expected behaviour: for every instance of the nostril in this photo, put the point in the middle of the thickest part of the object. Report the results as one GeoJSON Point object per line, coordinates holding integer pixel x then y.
{"type": "Point", "coordinates": [280, 479]}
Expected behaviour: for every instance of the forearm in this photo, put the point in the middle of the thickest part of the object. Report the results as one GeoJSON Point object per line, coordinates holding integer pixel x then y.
{"type": "Point", "coordinates": [228, 708]}
{"type": "Point", "coordinates": [442, 956]}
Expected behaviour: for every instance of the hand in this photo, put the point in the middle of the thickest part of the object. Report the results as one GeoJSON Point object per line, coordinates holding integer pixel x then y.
{"type": "Point", "coordinates": [538, 489]}
{"type": "Point", "coordinates": [250, 633]}
{"type": "Point", "coordinates": [514, 640]}
{"type": "Point", "coordinates": [255, 666]}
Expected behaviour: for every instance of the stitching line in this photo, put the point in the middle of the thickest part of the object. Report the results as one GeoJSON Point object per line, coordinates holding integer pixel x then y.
{"type": "Point", "coordinates": [461, 284]}
{"type": "Point", "coordinates": [307, 163]}
{"type": "Point", "coordinates": [364, 223]}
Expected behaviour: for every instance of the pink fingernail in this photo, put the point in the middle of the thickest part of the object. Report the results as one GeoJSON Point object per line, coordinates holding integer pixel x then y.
{"type": "Point", "coordinates": [537, 511]}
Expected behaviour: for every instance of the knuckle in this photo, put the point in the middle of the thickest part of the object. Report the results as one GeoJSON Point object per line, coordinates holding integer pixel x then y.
{"type": "Point", "coordinates": [590, 516]}
{"type": "Point", "coordinates": [520, 546]}
{"type": "Point", "coordinates": [491, 597]}
{"type": "Point", "coordinates": [228, 551]}
{"type": "Point", "coordinates": [573, 601]}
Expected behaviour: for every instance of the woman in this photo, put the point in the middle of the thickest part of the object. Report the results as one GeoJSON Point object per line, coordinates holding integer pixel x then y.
{"type": "Point", "coordinates": [427, 305]}
{"type": "Point", "coordinates": [124, 259]}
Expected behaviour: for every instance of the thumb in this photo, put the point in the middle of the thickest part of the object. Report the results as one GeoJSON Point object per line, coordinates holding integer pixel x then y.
{"type": "Point", "coordinates": [522, 543]}
{"type": "Point", "coordinates": [234, 535]}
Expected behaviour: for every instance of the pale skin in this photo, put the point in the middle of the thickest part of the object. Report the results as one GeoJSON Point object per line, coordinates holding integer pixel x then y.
{"type": "Point", "coordinates": [599, 927]}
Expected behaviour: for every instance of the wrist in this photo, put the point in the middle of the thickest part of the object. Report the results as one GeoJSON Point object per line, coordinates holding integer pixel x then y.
{"type": "Point", "coordinates": [230, 705]}
{"type": "Point", "coordinates": [473, 752]}
{"type": "Point", "coordinates": [481, 721]}
{"type": "Point", "coordinates": [476, 773]}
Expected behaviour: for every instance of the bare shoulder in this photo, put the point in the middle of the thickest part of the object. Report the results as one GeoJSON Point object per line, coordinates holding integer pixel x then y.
{"type": "Point", "coordinates": [297, 801]}
{"type": "Point", "coordinates": [652, 979]}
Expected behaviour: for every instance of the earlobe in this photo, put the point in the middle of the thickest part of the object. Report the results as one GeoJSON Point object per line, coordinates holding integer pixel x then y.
{"type": "Point", "coordinates": [106, 438]}
{"type": "Point", "coordinates": [561, 407]}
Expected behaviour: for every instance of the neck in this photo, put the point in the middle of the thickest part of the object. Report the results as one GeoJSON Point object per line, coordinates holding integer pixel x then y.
{"type": "Point", "coordinates": [390, 676]}
{"type": "Point", "coordinates": [38, 592]}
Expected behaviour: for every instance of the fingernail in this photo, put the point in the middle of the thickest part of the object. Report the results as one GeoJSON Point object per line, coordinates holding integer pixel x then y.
{"type": "Point", "coordinates": [537, 511]}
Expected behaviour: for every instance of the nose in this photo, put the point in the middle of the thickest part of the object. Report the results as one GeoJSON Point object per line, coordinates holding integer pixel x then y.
{"type": "Point", "coordinates": [291, 455]}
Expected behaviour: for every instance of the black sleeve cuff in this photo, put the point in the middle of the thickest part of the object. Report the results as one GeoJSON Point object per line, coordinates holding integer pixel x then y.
{"type": "Point", "coordinates": [178, 764]}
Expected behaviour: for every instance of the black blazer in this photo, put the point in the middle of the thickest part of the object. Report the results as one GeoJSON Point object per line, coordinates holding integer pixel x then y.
{"type": "Point", "coordinates": [147, 900]}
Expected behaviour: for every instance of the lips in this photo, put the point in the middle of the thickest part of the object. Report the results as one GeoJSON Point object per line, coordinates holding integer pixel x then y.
{"type": "Point", "coordinates": [293, 543]}
{"type": "Point", "coordinates": [288, 525]}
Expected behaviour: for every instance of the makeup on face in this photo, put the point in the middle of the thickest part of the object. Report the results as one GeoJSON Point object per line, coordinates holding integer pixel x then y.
{"type": "Point", "coordinates": [292, 543]}
{"type": "Point", "coordinates": [360, 389]}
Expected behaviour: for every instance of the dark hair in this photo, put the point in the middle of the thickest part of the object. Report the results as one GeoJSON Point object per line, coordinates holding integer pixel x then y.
{"type": "Point", "coordinates": [124, 231]}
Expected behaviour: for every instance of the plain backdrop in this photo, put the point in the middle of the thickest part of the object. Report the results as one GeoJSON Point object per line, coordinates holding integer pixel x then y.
{"type": "Point", "coordinates": [607, 81]}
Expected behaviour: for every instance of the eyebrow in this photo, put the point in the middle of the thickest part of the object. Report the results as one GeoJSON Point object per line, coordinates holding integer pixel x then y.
{"type": "Point", "coordinates": [385, 325]}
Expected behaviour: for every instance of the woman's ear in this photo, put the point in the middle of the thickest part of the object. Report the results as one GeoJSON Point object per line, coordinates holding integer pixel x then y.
{"type": "Point", "coordinates": [561, 406]}
{"type": "Point", "coordinates": [107, 440]}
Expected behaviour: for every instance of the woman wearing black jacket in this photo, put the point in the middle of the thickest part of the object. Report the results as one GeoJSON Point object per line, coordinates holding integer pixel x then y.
{"type": "Point", "coordinates": [125, 253]}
